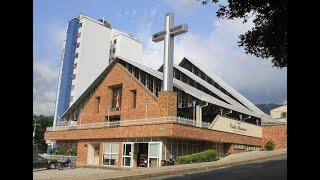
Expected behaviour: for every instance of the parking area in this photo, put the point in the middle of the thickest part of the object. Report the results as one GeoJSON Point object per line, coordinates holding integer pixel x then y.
{"type": "Point", "coordinates": [66, 173]}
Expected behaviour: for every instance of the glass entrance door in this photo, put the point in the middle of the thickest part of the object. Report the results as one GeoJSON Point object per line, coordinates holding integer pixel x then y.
{"type": "Point", "coordinates": [127, 154]}
{"type": "Point", "coordinates": [154, 154]}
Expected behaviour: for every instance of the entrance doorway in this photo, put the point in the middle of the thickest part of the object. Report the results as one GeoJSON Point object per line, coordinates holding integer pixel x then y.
{"type": "Point", "coordinates": [140, 156]}
{"type": "Point", "coordinates": [93, 154]}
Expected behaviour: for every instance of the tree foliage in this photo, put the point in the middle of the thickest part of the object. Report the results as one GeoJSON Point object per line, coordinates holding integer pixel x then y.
{"type": "Point", "coordinates": [43, 122]}
{"type": "Point", "coordinates": [268, 37]}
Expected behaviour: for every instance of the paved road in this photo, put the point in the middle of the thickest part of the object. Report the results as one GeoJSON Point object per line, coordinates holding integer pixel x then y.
{"type": "Point", "coordinates": [273, 169]}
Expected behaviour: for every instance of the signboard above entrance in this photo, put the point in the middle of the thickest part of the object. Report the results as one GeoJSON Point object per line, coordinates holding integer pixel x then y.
{"type": "Point", "coordinates": [236, 127]}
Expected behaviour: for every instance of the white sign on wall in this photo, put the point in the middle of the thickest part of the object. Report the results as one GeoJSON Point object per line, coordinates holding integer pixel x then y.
{"type": "Point", "coordinates": [236, 127]}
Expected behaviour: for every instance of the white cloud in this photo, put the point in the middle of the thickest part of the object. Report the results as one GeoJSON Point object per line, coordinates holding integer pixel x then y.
{"type": "Point", "coordinates": [45, 78]}
{"type": "Point", "coordinates": [183, 5]}
{"type": "Point", "coordinates": [218, 51]}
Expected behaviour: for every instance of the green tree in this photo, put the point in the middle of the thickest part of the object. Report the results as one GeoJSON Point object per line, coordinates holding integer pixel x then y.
{"type": "Point", "coordinates": [43, 122]}
{"type": "Point", "coordinates": [268, 37]}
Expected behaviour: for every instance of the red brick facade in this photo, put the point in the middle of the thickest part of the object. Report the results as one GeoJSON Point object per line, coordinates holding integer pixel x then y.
{"type": "Point", "coordinates": [276, 133]}
{"type": "Point", "coordinates": [96, 111]}
{"type": "Point", "coordinates": [119, 76]}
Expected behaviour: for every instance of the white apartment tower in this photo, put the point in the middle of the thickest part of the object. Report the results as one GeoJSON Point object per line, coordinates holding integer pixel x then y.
{"type": "Point", "coordinates": [89, 47]}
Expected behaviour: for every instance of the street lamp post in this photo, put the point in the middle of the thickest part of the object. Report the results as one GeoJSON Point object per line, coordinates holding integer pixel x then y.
{"type": "Point", "coordinates": [146, 102]}
{"type": "Point", "coordinates": [34, 130]}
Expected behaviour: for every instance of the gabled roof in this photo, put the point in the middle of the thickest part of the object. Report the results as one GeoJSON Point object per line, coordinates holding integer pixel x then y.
{"type": "Point", "coordinates": [226, 86]}
{"type": "Point", "coordinates": [178, 84]}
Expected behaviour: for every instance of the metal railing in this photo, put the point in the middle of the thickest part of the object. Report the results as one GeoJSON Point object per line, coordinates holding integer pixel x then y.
{"type": "Point", "coordinates": [136, 122]}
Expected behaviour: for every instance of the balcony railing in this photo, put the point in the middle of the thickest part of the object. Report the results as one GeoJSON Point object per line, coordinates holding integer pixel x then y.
{"type": "Point", "coordinates": [136, 122]}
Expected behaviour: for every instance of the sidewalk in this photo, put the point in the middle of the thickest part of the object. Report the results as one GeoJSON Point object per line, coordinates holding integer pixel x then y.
{"type": "Point", "coordinates": [143, 173]}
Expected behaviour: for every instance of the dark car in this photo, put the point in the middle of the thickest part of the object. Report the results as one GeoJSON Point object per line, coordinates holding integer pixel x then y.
{"type": "Point", "coordinates": [41, 162]}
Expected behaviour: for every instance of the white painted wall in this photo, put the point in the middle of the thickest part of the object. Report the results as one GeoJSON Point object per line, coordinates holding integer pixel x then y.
{"type": "Point", "coordinates": [93, 55]}
{"type": "Point", "coordinates": [128, 48]}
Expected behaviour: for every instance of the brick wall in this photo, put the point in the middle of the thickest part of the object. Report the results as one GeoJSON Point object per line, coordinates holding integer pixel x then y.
{"type": "Point", "coordinates": [167, 102]}
{"type": "Point", "coordinates": [82, 152]}
{"type": "Point", "coordinates": [119, 76]}
{"type": "Point", "coordinates": [276, 133]}
{"type": "Point", "coordinates": [170, 130]}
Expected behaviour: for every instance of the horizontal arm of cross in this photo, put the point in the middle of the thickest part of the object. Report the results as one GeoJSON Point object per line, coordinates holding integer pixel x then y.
{"type": "Point", "coordinates": [180, 29]}
{"type": "Point", "coordinates": [158, 36]}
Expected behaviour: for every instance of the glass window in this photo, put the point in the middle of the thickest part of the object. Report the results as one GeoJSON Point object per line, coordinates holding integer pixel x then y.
{"type": "Point", "coordinates": [77, 55]}
{"type": "Point", "coordinates": [115, 41]}
{"type": "Point", "coordinates": [110, 154]}
{"type": "Point", "coordinates": [78, 45]}
{"type": "Point", "coordinates": [80, 25]}
{"type": "Point", "coordinates": [114, 50]}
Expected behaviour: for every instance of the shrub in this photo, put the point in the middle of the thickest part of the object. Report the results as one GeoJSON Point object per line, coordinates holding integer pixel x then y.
{"type": "Point", "coordinates": [205, 156]}
{"type": "Point", "coordinates": [269, 145]}
{"type": "Point", "coordinates": [67, 152]}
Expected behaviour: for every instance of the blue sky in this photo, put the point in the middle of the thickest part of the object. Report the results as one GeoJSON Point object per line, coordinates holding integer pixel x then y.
{"type": "Point", "coordinates": [210, 41]}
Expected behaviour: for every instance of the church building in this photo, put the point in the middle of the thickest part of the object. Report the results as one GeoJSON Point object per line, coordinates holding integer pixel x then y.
{"type": "Point", "coordinates": [136, 116]}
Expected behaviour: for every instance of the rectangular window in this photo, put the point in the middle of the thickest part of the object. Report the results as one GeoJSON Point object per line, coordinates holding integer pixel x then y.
{"type": "Point", "coordinates": [75, 66]}
{"type": "Point", "coordinates": [77, 55]}
{"type": "Point", "coordinates": [114, 50]}
{"type": "Point", "coordinates": [110, 154]}
{"type": "Point", "coordinates": [80, 25]}
{"type": "Point", "coordinates": [115, 41]}
{"type": "Point", "coordinates": [78, 45]}
{"type": "Point", "coordinates": [116, 99]}
{"type": "Point", "coordinates": [134, 98]}
{"type": "Point", "coordinates": [98, 104]}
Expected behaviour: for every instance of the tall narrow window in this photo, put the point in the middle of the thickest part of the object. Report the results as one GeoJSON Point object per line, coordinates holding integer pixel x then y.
{"type": "Point", "coordinates": [80, 25]}
{"type": "Point", "coordinates": [134, 98]}
{"type": "Point", "coordinates": [77, 55]}
{"type": "Point", "coordinates": [78, 45]}
{"type": "Point", "coordinates": [114, 50]}
{"type": "Point", "coordinates": [116, 99]}
{"type": "Point", "coordinates": [98, 104]}
{"type": "Point", "coordinates": [114, 41]}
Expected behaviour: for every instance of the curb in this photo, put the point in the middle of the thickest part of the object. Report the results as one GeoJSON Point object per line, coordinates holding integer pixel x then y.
{"type": "Point", "coordinates": [188, 169]}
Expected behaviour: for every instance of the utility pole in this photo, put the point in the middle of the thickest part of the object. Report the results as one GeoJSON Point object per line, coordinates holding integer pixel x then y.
{"type": "Point", "coordinates": [34, 130]}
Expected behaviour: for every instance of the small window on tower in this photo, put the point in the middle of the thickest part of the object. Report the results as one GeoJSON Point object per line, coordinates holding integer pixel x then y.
{"type": "Point", "coordinates": [77, 55]}
{"type": "Point", "coordinates": [80, 25]}
{"type": "Point", "coordinates": [78, 45]}
{"type": "Point", "coordinates": [115, 41]}
{"type": "Point", "coordinates": [114, 50]}
{"type": "Point", "coordinates": [134, 98]}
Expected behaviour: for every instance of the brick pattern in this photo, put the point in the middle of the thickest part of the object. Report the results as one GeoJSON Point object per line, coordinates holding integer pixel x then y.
{"type": "Point", "coordinates": [211, 135]}
{"type": "Point", "coordinates": [83, 150]}
{"type": "Point", "coordinates": [276, 133]}
{"type": "Point", "coordinates": [167, 102]}
{"type": "Point", "coordinates": [119, 76]}
{"type": "Point", "coordinates": [153, 130]}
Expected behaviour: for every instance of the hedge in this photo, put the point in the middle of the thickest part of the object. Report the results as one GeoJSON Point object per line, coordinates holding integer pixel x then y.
{"type": "Point", "coordinates": [205, 156]}
{"type": "Point", "coordinates": [63, 151]}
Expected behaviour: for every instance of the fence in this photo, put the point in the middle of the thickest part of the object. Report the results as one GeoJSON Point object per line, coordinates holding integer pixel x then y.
{"type": "Point", "coordinates": [177, 120]}
{"type": "Point", "coordinates": [59, 157]}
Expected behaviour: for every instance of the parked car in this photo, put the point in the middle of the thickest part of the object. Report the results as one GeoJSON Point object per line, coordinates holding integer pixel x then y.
{"type": "Point", "coordinates": [41, 162]}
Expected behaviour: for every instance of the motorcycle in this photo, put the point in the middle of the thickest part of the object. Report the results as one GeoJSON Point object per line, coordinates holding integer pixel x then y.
{"type": "Point", "coordinates": [67, 163]}
{"type": "Point", "coordinates": [169, 162]}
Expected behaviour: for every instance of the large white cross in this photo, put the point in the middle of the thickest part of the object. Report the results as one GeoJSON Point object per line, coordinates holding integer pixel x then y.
{"type": "Point", "coordinates": [168, 36]}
